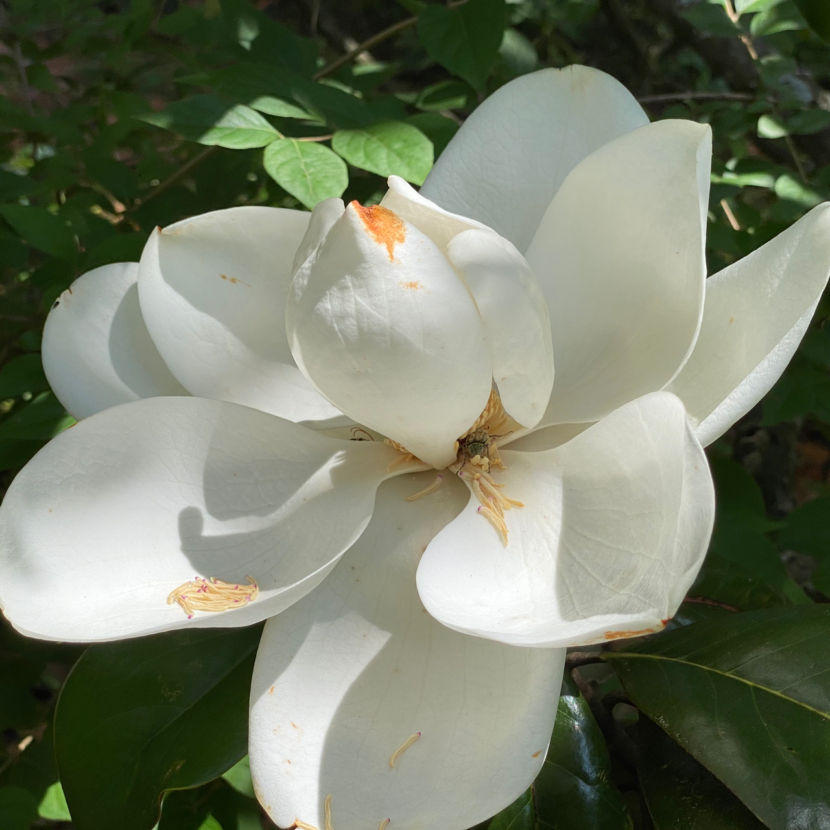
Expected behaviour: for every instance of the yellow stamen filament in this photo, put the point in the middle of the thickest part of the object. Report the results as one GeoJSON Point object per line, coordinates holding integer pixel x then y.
{"type": "Point", "coordinates": [329, 825]}
{"type": "Point", "coordinates": [301, 825]}
{"type": "Point", "coordinates": [493, 502]}
{"type": "Point", "coordinates": [406, 457]}
{"type": "Point", "coordinates": [384, 824]}
{"type": "Point", "coordinates": [402, 748]}
{"type": "Point", "coordinates": [212, 594]}
{"type": "Point", "coordinates": [427, 490]}
{"type": "Point", "coordinates": [493, 417]}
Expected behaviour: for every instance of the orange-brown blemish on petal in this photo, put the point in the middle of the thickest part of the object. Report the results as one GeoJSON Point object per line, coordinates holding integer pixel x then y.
{"type": "Point", "coordinates": [536, 754]}
{"type": "Point", "coordinates": [384, 226]}
{"type": "Point", "coordinates": [234, 280]}
{"type": "Point", "coordinates": [621, 635]}
{"type": "Point", "coordinates": [414, 285]}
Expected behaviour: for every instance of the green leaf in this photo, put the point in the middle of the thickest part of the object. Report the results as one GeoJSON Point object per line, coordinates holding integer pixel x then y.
{"type": "Point", "coordinates": [53, 805]}
{"type": "Point", "coordinates": [239, 777]}
{"type": "Point", "coordinates": [39, 420]}
{"type": "Point", "coordinates": [770, 127]}
{"type": "Point", "coordinates": [574, 790]}
{"type": "Point", "coordinates": [18, 808]}
{"type": "Point", "coordinates": [792, 190]}
{"type": "Point", "coordinates": [680, 793]}
{"type": "Point", "coordinates": [22, 374]}
{"type": "Point", "coordinates": [727, 583]}
{"type": "Point", "coordinates": [817, 15]}
{"type": "Point", "coordinates": [152, 714]}
{"type": "Point", "coordinates": [808, 121]}
{"type": "Point", "coordinates": [464, 39]}
{"type": "Point", "coordinates": [41, 230]}
{"type": "Point", "coordinates": [390, 148]}
{"type": "Point", "coordinates": [209, 120]}
{"type": "Point", "coordinates": [437, 128]}
{"type": "Point", "coordinates": [307, 170]}
{"type": "Point", "coordinates": [520, 815]}
{"type": "Point", "coordinates": [748, 696]}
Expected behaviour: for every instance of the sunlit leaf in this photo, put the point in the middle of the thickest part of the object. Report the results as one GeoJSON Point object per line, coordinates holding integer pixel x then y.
{"type": "Point", "coordinates": [307, 170]}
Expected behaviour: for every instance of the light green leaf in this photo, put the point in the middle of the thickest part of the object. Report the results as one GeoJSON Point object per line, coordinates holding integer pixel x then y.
{"type": "Point", "coordinates": [53, 806]}
{"type": "Point", "coordinates": [307, 170]}
{"type": "Point", "coordinates": [789, 188]}
{"type": "Point", "coordinates": [239, 777]}
{"type": "Point", "coordinates": [209, 120]}
{"type": "Point", "coordinates": [389, 148]}
{"type": "Point", "coordinates": [770, 127]}
{"type": "Point", "coordinates": [39, 420]}
{"type": "Point", "coordinates": [466, 38]}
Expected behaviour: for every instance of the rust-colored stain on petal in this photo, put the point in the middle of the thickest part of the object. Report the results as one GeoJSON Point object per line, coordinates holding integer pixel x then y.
{"type": "Point", "coordinates": [385, 227]}
{"type": "Point", "coordinates": [621, 635]}
{"type": "Point", "coordinates": [536, 754]}
{"type": "Point", "coordinates": [413, 285]}
{"type": "Point", "coordinates": [234, 280]}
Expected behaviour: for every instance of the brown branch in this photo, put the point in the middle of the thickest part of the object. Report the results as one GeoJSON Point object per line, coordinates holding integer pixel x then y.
{"type": "Point", "coordinates": [183, 171]}
{"type": "Point", "coordinates": [367, 44]}
{"type": "Point", "coordinates": [697, 96]}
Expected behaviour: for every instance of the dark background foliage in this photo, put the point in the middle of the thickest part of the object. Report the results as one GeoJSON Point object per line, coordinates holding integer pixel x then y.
{"type": "Point", "coordinates": [118, 116]}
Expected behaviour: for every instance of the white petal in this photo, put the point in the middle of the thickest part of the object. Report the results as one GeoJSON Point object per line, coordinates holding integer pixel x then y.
{"type": "Point", "coordinates": [345, 677]}
{"type": "Point", "coordinates": [212, 291]}
{"type": "Point", "coordinates": [755, 315]}
{"type": "Point", "coordinates": [383, 327]}
{"type": "Point", "coordinates": [323, 217]}
{"type": "Point", "coordinates": [620, 257]}
{"type": "Point", "coordinates": [516, 322]}
{"type": "Point", "coordinates": [97, 352]}
{"type": "Point", "coordinates": [118, 511]}
{"type": "Point", "coordinates": [509, 158]}
{"type": "Point", "coordinates": [615, 526]}
{"type": "Point", "coordinates": [438, 224]}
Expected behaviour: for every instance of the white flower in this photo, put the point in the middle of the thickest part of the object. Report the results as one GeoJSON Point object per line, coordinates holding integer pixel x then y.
{"type": "Point", "coordinates": [576, 225]}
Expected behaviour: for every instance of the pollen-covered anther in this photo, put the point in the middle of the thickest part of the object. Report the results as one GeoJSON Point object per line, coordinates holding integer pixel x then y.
{"type": "Point", "coordinates": [212, 594]}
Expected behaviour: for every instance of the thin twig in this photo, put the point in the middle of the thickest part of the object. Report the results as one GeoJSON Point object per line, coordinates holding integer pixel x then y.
{"type": "Point", "coordinates": [183, 171]}
{"type": "Point", "coordinates": [582, 658]}
{"type": "Point", "coordinates": [736, 225]}
{"type": "Point", "coordinates": [365, 46]}
{"type": "Point", "coordinates": [697, 96]}
{"type": "Point", "coordinates": [20, 62]}
{"type": "Point", "coordinates": [314, 137]}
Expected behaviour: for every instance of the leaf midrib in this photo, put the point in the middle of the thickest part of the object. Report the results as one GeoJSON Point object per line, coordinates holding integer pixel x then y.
{"type": "Point", "coordinates": [745, 681]}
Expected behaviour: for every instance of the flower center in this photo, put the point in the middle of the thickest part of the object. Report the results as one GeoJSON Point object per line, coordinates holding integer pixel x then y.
{"type": "Point", "coordinates": [476, 455]}
{"type": "Point", "coordinates": [212, 594]}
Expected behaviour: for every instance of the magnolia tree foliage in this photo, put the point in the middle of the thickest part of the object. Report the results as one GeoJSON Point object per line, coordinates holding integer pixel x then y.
{"type": "Point", "coordinates": [432, 434]}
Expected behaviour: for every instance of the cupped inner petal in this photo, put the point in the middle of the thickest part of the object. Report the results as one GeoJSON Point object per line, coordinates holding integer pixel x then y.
{"type": "Point", "coordinates": [510, 157]}
{"type": "Point", "coordinates": [756, 313]}
{"type": "Point", "coordinates": [614, 527]}
{"type": "Point", "coordinates": [620, 257]}
{"type": "Point", "coordinates": [516, 322]}
{"type": "Point", "coordinates": [362, 701]}
{"type": "Point", "coordinates": [97, 351]}
{"type": "Point", "coordinates": [109, 519]}
{"type": "Point", "coordinates": [213, 291]}
{"type": "Point", "coordinates": [384, 328]}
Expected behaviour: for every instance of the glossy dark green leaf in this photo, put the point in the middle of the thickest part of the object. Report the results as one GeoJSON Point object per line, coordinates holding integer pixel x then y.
{"type": "Point", "coordinates": [574, 790]}
{"type": "Point", "coordinates": [681, 794]}
{"type": "Point", "coordinates": [520, 815]}
{"type": "Point", "coordinates": [388, 148]}
{"type": "Point", "coordinates": [307, 170]}
{"type": "Point", "coordinates": [817, 15]}
{"type": "Point", "coordinates": [22, 374]}
{"type": "Point", "coordinates": [436, 127]}
{"type": "Point", "coordinates": [726, 583]}
{"type": "Point", "coordinates": [39, 420]}
{"type": "Point", "coordinates": [209, 120]}
{"type": "Point", "coordinates": [158, 713]}
{"type": "Point", "coordinates": [41, 229]}
{"type": "Point", "coordinates": [748, 695]}
{"type": "Point", "coordinates": [466, 38]}
{"type": "Point", "coordinates": [18, 808]}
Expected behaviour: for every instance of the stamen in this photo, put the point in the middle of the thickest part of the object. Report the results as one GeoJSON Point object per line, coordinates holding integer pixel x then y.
{"type": "Point", "coordinates": [301, 825]}
{"type": "Point", "coordinates": [384, 824]}
{"type": "Point", "coordinates": [212, 594]}
{"type": "Point", "coordinates": [427, 490]}
{"type": "Point", "coordinates": [406, 457]}
{"type": "Point", "coordinates": [328, 813]}
{"type": "Point", "coordinates": [402, 748]}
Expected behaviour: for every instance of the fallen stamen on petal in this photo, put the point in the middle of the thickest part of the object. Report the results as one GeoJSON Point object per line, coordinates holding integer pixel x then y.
{"type": "Point", "coordinates": [211, 594]}
{"type": "Point", "coordinates": [301, 825]}
{"type": "Point", "coordinates": [329, 825]}
{"type": "Point", "coordinates": [402, 748]}
{"type": "Point", "coordinates": [427, 490]}
{"type": "Point", "coordinates": [384, 824]}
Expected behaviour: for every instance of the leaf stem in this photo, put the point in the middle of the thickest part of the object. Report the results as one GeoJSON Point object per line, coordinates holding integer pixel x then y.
{"type": "Point", "coordinates": [172, 179]}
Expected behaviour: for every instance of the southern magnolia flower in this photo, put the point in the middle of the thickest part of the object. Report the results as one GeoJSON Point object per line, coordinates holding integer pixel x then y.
{"type": "Point", "coordinates": [408, 344]}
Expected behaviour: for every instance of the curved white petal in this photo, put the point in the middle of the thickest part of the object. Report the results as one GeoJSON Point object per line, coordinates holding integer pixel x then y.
{"type": "Point", "coordinates": [323, 217]}
{"type": "Point", "coordinates": [756, 312]}
{"type": "Point", "coordinates": [615, 526]}
{"type": "Point", "coordinates": [438, 224]}
{"type": "Point", "coordinates": [97, 352]}
{"type": "Point", "coordinates": [383, 327]}
{"type": "Point", "coordinates": [120, 510]}
{"type": "Point", "coordinates": [547, 438]}
{"type": "Point", "coordinates": [509, 158]}
{"type": "Point", "coordinates": [516, 321]}
{"type": "Point", "coordinates": [212, 291]}
{"type": "Point", "coordinates": [620, 257]}
{"type": "Point", "coordinates": [346, 676]}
